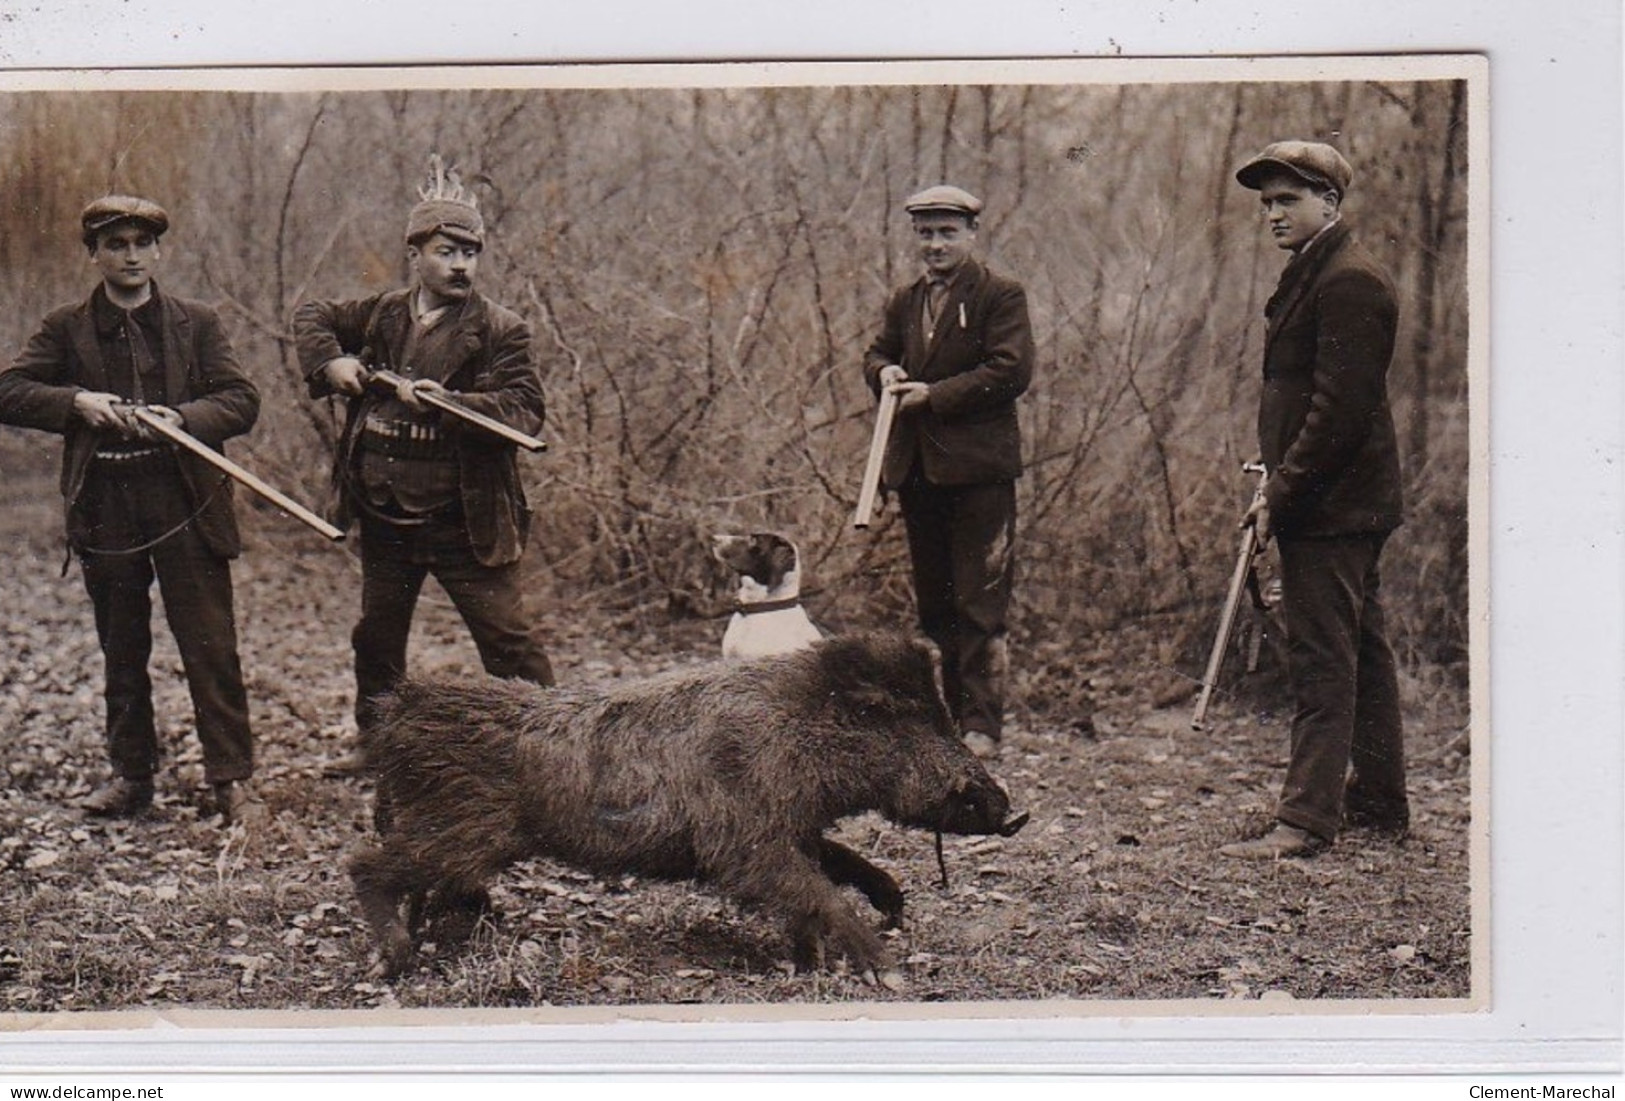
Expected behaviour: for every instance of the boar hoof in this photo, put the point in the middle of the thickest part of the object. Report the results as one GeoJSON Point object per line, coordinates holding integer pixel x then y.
{"type": "Point", "coordinates": [394, 954]}
{"type": "Point", "coordinates": [861, 948]}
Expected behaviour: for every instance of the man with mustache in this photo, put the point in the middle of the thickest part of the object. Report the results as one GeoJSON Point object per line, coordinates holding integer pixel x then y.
{"type": "Point", "coordinates": [957, 346]}
{"type": "Point", "coordinates": [137, 509]}
{"type": "Point", "coordinates": [1330, 499]}
{"type": "Point", "coordinates": [432, 495]}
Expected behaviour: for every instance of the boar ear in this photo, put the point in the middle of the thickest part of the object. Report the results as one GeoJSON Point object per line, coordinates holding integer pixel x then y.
{"type": "Point", "coordinates": [864, 698]}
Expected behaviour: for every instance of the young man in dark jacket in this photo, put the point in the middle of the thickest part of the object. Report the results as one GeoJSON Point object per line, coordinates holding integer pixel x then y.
{"type": "Point", "coordinates": [957, 345]}
{"type": "Point", "coordinates": [432, 495]}
{"type": "Point", "coordinates": [1330, 499]}
{"type": "Point", "coordinates": [138, 508]}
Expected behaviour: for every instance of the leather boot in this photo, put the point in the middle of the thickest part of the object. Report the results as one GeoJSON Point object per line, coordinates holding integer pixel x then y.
{"type": "Point", "coordinates": [1281, 843]}
{"type": "Point", "coordinates": [237, 804]}
{"type": "Point", "coordinates": [121, 797]}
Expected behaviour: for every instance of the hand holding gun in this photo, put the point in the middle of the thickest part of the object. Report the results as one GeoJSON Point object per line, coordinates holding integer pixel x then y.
{"type": "Point", "coordinates": [1252, 541]}
{"type": "Point", "coordinates": [423, 391]}
{"type": "Point", "coordinates": [161, 422]}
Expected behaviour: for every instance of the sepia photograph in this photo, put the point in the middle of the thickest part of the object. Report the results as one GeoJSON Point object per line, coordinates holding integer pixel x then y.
{"type": "Point", "coordinates": [902, 540]}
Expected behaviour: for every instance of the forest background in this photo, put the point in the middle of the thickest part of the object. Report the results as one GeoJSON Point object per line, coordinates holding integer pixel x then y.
{"type": "Point", "coordinates": [703, 269]}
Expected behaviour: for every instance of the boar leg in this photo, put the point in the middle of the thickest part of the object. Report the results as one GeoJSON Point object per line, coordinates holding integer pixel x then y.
{"type": "Point", "coordinates": [819, 922]}
{"type": "Point", "coordinates": [831, 928]}
{"type": "Point", "coordinates": [382, 879]}
{"type": "Point", "coordinates": [844, 866]}
{"type": "Point", "coordinates": [455, 910]}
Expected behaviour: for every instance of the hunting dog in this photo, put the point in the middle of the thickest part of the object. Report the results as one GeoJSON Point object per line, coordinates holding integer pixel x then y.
{"type": "Point", "coordinates": [769, 618]}
{"type": "Point", "coordinates": [727, 774]}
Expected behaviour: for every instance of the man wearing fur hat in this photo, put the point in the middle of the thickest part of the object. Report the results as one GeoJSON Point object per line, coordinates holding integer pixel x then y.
{"type": "Point", "coordinates": [957, 346]}
{"type": "Point", "coordinates": [136, 507]}
{"type": "Point", "coordinates": [1330, 499]}
{"type": "Point", "coordinates": [432, 496]}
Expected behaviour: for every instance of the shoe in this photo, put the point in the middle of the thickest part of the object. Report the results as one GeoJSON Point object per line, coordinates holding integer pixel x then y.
{"type": "Point", "coordinates": [981, 745]}
{"type": "Point", "coordinates": [121, 797]}
{"type": "Point", "coordinates": [237, 804]}
{"type": "Point", "coordinates": [1281, 843]}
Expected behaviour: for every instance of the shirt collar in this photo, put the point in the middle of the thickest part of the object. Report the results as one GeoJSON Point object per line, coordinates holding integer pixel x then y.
{"type": "Point", "coordinates": [1319, 233]}
{"type": "Point", "coordinates": [108, 316]}
{"type": "Point", "coordinates": [936, 280]}
{"type": "Point", "coordinates": [428, 319]}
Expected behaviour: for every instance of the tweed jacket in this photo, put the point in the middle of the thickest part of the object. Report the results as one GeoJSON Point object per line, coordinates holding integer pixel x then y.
{"type": "Point", "coordinates": [202, 382]}
{"type": "Point", "coordinates": [977, 362]}
{"type": "Point", "coordinates": [1325, 429]}
{"type": "Point", "coordinates": [491, 372]}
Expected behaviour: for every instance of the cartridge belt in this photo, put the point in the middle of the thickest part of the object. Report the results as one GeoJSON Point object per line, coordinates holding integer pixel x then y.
{"type": "Point", "coordinates": [406, 440]}
{"type": "Point", "coordinates": [129, 454]}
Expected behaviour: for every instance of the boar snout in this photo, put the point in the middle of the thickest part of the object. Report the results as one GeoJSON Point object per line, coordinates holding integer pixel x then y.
{"type": "Point", "coordinates": [977, 806]}
{"type": "Point", "coordinates": [1013, 824]}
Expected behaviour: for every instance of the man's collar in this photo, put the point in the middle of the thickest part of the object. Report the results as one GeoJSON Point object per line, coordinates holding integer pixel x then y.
{"type": "Point", "coordinates": [965, 265]}
{"type": "Point", "coordinates": [431, 318]}
{"type": "Point", "coordinates": [1321, 232]}
{"type": "Point", "coordinates": [108, 314]}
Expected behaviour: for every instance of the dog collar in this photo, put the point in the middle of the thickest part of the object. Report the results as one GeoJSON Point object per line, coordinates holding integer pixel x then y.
{"type": "Point", "coordinates": [758, 607]}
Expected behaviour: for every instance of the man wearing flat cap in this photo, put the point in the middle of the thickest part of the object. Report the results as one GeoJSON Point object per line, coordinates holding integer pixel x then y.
{"type": "Point", "coordinates": [431, 495]}
{"type": "Point", "coordinates": [1330, 499]}
{"type": "Point", "coordinates": [957, 347]}
{"type": "Point", "coordinates": [136, 507]}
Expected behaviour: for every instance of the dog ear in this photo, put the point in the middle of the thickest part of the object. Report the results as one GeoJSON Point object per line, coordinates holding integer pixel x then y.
{"type": "Point", "coordinates": [783, 556]}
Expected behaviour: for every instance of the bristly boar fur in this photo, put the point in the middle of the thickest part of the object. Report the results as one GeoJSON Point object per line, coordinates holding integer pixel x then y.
{"type": "Point", "coordinates": [728, 774]}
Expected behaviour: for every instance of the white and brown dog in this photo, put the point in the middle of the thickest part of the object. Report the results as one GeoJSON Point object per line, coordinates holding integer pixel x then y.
{"type": "Point", "coordinates": [770, 619]}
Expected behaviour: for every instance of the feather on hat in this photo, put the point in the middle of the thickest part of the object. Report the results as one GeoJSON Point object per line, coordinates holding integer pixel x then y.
{"type": "Point", "coordinates": [447, 207]}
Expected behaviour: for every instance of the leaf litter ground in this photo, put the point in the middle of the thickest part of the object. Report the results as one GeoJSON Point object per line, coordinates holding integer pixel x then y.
{"type": "Point", "coordinates": [1113, 891]}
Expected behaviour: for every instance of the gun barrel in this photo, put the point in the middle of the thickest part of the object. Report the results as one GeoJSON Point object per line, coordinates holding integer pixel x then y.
{"type": "Point", "coordinates": [1232, 602]}
{"type": "Point", "coordinates": [870, 489]}
{"type": "Point", "coordinates": [1227, 622]}
{"type": "Point", "coordinates": [203, 451]}
{"type": "Point", "coordinates": [455, 408]}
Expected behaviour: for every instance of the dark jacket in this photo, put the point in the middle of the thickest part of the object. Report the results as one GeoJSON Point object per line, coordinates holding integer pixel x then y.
{"type": "Point", "coordinates": [491, 372]}
{"type": "Point", "coordinates": [1324, 426]}
{"type": "Point", "coordinates": [202, 382]}
{"type": "Point", "coordinates": [968, 434]}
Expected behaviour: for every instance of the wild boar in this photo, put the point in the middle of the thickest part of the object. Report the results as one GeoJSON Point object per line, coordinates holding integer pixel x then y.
{"type": "Point", "coordinates": [727, 774]}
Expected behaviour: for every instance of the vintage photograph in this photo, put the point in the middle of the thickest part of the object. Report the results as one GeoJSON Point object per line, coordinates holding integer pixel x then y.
{"type": "Point", "coordinates": [773, 538]}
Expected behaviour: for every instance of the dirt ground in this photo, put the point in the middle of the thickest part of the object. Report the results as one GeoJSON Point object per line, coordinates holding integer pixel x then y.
{"type": "Point", "coordinates": [1113, 891]}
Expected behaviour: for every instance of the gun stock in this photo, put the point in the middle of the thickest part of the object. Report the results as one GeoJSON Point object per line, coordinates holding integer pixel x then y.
{"type": "Point", "coordinates": [247, 478]}
{"type": "Point", "coordinates": [453, 407]}
{"type": "Point", "coordinates": [870, 488]}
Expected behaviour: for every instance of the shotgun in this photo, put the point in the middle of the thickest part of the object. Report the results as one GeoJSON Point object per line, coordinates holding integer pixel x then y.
{"type": "Point", "coordinates": [877, 459]}
{"type": "Point", "coordinates": [1239, 579]}
{"type": "Point", "coordinates": [182, 438]}
{"type": "Point", "coordinates": [455, 408]}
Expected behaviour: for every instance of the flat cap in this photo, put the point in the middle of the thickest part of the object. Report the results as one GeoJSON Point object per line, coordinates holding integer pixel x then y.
{"type": "Point", "coordinates": [110, 210]}
{"type": "Point", "coordinates": [944, 198]}
{"type": "Point", "coordinates": [1312, 161]}
{"type": "Point", "coordinates": [456, 219]}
